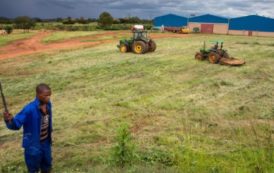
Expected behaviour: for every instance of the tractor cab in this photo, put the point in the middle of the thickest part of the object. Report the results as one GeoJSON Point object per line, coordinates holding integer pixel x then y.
{"type": "Point", "coordinates": [140, 35]}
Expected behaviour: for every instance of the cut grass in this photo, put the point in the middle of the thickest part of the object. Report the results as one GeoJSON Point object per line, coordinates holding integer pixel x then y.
{"type": "Point", "coordinates": [16, 35]}
{"type": "Point", "coordinates": [99, 39]}
{"type": "Point", "coordinates": [64, 35]}
{"type": "Point", "coordinates": [184, 115]}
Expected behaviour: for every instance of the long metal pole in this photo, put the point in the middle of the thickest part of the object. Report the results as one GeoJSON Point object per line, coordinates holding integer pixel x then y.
{"type": "Point", "coordinates": [3, 99]}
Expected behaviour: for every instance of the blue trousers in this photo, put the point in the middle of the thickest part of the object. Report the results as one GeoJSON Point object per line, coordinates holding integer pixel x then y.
{"type": "Point", "coordinates": [39, 158]}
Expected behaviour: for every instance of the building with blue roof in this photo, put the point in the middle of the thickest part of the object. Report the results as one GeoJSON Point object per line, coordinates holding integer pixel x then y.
{"type": "Point", "coordinates": [209, 24]}
{"type": "Point", "coordinates": [170, 20]}
{"type": "Point", "coordinates": [252, 25]}
{"type": "Point", "coordinates": [246, 25]}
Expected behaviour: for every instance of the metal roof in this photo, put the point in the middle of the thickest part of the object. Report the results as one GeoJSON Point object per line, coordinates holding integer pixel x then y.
{"type": "Point", "coordinates": [208, 18]}
{"type": "Point", "coordinates": [248, 23]}
{"type": "Point", "coordinates": [252, 23]}
{"type": "Point", "coordinates": [170, 20]}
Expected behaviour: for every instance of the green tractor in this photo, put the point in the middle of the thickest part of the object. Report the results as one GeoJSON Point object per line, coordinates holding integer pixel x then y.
{"type": "Point", "coordinates": [217, 55]}
{"type": "Point", "coordinates": [140, 43]}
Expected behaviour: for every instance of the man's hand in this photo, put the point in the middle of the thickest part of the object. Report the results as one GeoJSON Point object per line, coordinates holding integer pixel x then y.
{"type": "Point", "coordinates": [7, 117]}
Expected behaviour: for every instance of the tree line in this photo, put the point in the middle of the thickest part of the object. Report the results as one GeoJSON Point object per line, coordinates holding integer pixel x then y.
{"type": "Point", "coordinates": [104, 21]}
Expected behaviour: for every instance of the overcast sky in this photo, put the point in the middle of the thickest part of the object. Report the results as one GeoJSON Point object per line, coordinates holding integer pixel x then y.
{"type": "Point", "coordinates": [146, 9]}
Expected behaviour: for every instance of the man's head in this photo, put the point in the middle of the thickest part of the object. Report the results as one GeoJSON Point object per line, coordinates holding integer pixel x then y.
{"type": "Point", "coordinates": [43, 93]}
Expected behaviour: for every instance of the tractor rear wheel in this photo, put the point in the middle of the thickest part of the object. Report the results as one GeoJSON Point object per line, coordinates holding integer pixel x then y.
{"type": "Point", "coordinates": [139, 47]}
{"type": "Point", "coordinates": [199, 56]}
{"type": "Point", "coordinates": [152, 46]}
{"type": "Point", "coordinates": [213, 58]}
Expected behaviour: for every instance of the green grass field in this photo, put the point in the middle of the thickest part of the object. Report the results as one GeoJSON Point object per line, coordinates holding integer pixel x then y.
{"type": "Point", "coordinates": [16, 35]}
{"type": "Point", "coordinates": [184, 115]}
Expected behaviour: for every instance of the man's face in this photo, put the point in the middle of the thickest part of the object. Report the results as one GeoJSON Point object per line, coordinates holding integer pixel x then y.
{"type": "Point", "coordinates": [44, 96]}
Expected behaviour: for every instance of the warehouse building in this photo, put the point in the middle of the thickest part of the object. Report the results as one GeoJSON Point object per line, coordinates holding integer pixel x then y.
{"type": "Point", "coordinates": [209, 24]}
{"type": "Point", "coordinates": [170, 20]}
{"type": "Point", "coordinates": [252, 25]}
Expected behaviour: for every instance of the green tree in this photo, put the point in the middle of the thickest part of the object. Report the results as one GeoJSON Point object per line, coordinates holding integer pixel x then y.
{"type": "Point", "coordinates": [105, 19]}
{"type": "Point", "coordinates": [134, 20]}
{"type": "Point", "coordinates": [82, 20]}
{"type": "Point", "coordinates": [24, 22]}
{"type": "Point", "coordinates": [4, 20]}
{"type": "Point", "coordinates": [68, 21]}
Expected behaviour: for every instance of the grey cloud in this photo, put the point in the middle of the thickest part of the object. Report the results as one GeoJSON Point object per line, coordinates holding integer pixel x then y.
{"type": "Point", "coordinates": [140, 8]}
{"type": "Point", "coordinates": [61, 4]}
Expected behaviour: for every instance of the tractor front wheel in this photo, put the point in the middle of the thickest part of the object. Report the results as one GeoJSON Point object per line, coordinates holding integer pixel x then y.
{"type": "Point", "coordinates": [213, 58]}
{"type": "Point", "coordinates": [199, 56]}
{"type": "Point", "coordinates": [139, 47]}
{"type": "Point", "coordinates": [123, 48]}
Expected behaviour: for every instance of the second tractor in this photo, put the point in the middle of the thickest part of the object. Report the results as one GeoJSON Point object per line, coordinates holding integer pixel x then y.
{"type": "Point", "coordinates": [217, 55]}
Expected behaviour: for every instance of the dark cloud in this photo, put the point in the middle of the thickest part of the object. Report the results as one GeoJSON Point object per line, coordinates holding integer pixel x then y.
{"type": "Point", "coordinates": [50, 3]}
{"type": "Point", "coordinates": [140, 8]}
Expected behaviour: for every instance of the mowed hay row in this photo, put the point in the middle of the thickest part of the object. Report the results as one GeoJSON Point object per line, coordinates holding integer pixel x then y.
{"type": "Point", "coordinates": [182, 110]}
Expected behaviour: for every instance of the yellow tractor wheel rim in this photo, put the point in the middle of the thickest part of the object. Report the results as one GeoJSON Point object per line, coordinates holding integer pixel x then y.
{"type": "Point", "coordinates": [123, 49]}
{"type": "Point", "coordinates": [212, 59]}
{"type": "Point", "coordinates": [138, 49]}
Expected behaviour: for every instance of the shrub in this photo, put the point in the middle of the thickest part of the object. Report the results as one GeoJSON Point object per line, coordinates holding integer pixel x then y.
{"type": "Point", "coordinates": [196, 30]}
{"type": "Point", "coordinates": [24, 22]}
{"type": "Point", "coordinates": [8, 29]}
{"type": "Point", "coordinates": [68, 21]}
{"type": "Point", "coordinates": [123, 153]}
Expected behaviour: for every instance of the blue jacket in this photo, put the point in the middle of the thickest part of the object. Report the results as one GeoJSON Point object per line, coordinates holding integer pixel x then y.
{"type": "Point", "coordinates": [30, 119]}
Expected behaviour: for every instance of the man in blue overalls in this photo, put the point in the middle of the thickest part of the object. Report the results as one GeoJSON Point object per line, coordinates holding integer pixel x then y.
{"type": "Point", "coordinates": [36, 119]}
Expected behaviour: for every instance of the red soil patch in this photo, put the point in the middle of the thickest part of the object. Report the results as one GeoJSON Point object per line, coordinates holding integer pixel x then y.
{"type": "Point", "coordinates": [35, 45]}
{"type": "Point", "coordinates": [168, 35]}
